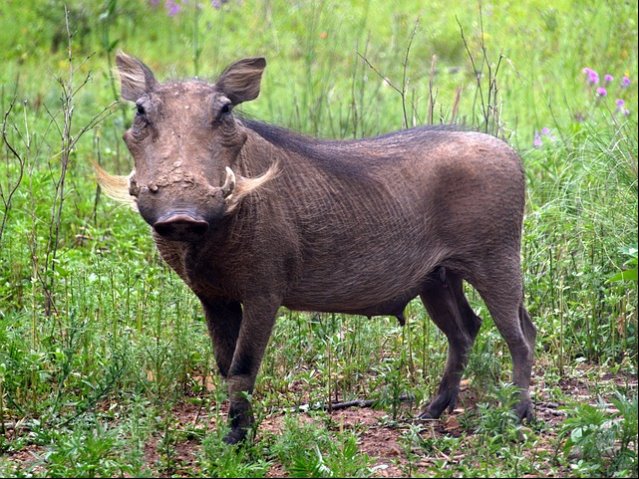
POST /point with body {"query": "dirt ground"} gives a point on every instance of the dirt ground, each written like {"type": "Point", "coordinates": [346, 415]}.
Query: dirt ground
{"type": "Point", "coordinates": [382, 441]}
{"type": "Point", "coordinates": [378, 438]}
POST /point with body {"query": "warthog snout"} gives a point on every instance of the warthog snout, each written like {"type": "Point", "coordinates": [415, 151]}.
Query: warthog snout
{"type": "Point", "coordinates": [181, 227]}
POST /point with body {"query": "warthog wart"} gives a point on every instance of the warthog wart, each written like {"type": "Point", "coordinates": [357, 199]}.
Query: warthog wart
{"type": "Point", "coordinates": [253, 217]}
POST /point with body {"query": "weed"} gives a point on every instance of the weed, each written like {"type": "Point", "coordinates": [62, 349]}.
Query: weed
{"type": "Point", "coordinates": [305, 450]}
{"type": "Point", "coordinates": [601, 440]}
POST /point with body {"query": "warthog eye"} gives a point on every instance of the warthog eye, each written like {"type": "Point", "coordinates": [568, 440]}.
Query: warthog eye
{"type": "Point", "coordinates": [139, 109]}
{"type": "Point", "coordinates": [225, 109]}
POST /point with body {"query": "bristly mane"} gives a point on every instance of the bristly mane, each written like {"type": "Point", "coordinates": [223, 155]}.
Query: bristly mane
{"type": "Point", "coordinates": [346, 156]}
{"type": "Point", "coordinates": [288, 138]}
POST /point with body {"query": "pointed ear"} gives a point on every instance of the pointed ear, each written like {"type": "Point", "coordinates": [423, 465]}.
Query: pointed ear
{"type": "Point", "coordinates": [136, 78]}
{"type": "Point", "coordinates": [241, 81]}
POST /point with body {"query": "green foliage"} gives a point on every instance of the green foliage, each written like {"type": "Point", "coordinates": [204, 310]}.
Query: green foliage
{"type": "Point", "coordinates": [630, 266]}
{"type": "Point", "coordinates": [604, 442]}
{"type": "Point", "coordinates": [497, 422]}
{"type": "Point", "coordinates": [222, 460]}
{"type": "Point", "coordinates": [306, 450]}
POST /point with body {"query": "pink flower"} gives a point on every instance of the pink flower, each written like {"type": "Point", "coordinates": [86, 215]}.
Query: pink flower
{"type": "Point", "coordinates": [172, 8]}
{"type": "Point", "coordinates": [601, 92]}
{"type": "Point", "coordinates": [621, 107]}
{"type": "Point", "coordinates": [537, 140]}
{"type": "Point", "coordinates": [625, 82]}
{"type": "Point", "coordinates": [608, 78]}
{"type": "Point", "coordinates": [592, 76]}
{"type": "Point", "coordinates": [547, 132]}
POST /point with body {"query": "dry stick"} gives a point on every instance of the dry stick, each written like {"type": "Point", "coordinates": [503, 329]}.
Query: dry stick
{"type": "Point", "coordinates": [487, 63]}
{"type": "Point", "coordinates": [68, 144]}
{"type": "Point", "coordinates": [492, 79]}
{"type": "Point", "coordinates": [386, 80]}
{"type": "Point", "coordinates": [405, 68]}
{"type": "Point", "coordinates": [476, 72]}
{"type": "Point", "coordinates": [493, 88]}
{"type": "Point", "coordinates": [358, 91]}
{"type": "Point", "coordinates": [98, 190]}
{"type": "Point", "coordinates": [335, 406]}
{"type": "Point", "coordinates": [431, 97]}
{"type": "Point", "coordinates": [65, 153]}
{"type": "Point", "coordinates": [402, 90]}
{"type": "Point", "coordinates": [6, 200]}
{"type": "Point", "coordinates": [455, 110]}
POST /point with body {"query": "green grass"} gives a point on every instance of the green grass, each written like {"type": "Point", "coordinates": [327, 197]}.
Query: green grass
{"type": "Point", "coordinates": [105, 364]}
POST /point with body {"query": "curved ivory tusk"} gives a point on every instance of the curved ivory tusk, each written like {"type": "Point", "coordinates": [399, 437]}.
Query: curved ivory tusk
{"type": "Point", "coordinates": [116, 187]}
{"type": "Point", "coordinates": [229, 183]}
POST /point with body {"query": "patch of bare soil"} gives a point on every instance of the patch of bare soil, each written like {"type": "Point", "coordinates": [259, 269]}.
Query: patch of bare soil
{"type": "Point", "coordinates": [175, 452]}
{"type": "Point", "coordinates": [27, 457]}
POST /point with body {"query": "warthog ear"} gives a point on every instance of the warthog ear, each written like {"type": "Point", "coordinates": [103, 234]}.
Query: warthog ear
{"type": "Point", "coordinates": [241, 81]}
{"type": "Point", "coordinates": [136, 78]}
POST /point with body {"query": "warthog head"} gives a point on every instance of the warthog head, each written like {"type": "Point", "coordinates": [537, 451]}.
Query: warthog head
{"type": "Point", "coordinates": [185, 143]}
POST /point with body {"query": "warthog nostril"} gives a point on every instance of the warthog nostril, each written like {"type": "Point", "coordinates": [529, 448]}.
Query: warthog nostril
{"type": "Point", "coordinates": [181, 227]}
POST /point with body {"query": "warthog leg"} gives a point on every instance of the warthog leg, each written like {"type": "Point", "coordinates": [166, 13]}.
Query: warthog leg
{"type": "Point", "coordinates": [255, 330]}
{"type": "Point", "coordinates": [223, 319]}
{"type": "Point", "coordinates": [447, 306]}
{"type": "Point", "coordinates": [500, 286]}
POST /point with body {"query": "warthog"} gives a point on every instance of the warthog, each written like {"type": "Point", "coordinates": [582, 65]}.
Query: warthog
{"type": "Point", "coordinates": [253, 217]}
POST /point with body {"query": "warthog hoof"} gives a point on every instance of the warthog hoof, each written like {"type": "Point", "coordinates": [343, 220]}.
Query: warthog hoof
{"type": "Point", "coordinates": [235, 436]}
{"type": "Point", "coordinates": [525, 411]}
{"type": "Point", "coordinates": [444, 400]}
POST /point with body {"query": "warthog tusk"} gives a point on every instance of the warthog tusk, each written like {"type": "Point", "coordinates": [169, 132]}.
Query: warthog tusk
{"type": "Point", "coordinates": [229, 183]}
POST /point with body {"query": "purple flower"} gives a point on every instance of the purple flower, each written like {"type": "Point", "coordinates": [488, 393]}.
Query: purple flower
{"type": "Point", "coordinates": [547, 132]}
{"type": "Point", "coordinates": [608, 78]}
{"type": "Point", "coordinates": [537, 140]}
{"type": "Point", "coordinates": [172, 8]}
{"type": "Point", "coordinates": [625, 82]}
{"type": "Point", "coordinates": [217, 4]}
{"type": "Point", "coordinates": [601, 92]}
{"type": "Point", "coordinates": [621, 107]}
{"type": "Point", "coordinates": [154, 3]}
{"type": "Point", "coordinates": [592, 76]}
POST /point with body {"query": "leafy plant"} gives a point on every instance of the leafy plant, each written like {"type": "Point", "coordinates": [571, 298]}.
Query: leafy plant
{"type": "Point", "coordinates": [306, 450]}
{"type": "Point", "coordinates": [601, 440]}
{"type": "Point", "coordinates": [629, 272]}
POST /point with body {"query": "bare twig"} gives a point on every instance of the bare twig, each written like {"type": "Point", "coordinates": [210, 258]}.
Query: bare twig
{"type": "Point", "coordinates": [385, 79]}
{"type": "Point", "coordinates": [7, 196]}
{"type": "Point", "coordinates": [402, 91]}
{"type": "Point", "coordinates": [405, 69]}
{"type": "Point", "coordinates": [431, 96]}
{"type": "Point", "coordinates": [455, 111]}
{"type": "Point", "coordinates": [476, 71]}
{"type": "Point", "coordinates": [488, 101]}
{"type": "Point", "coordinates": [335, 406]}
{"type": "Point", "coordinates": [68, 142]}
